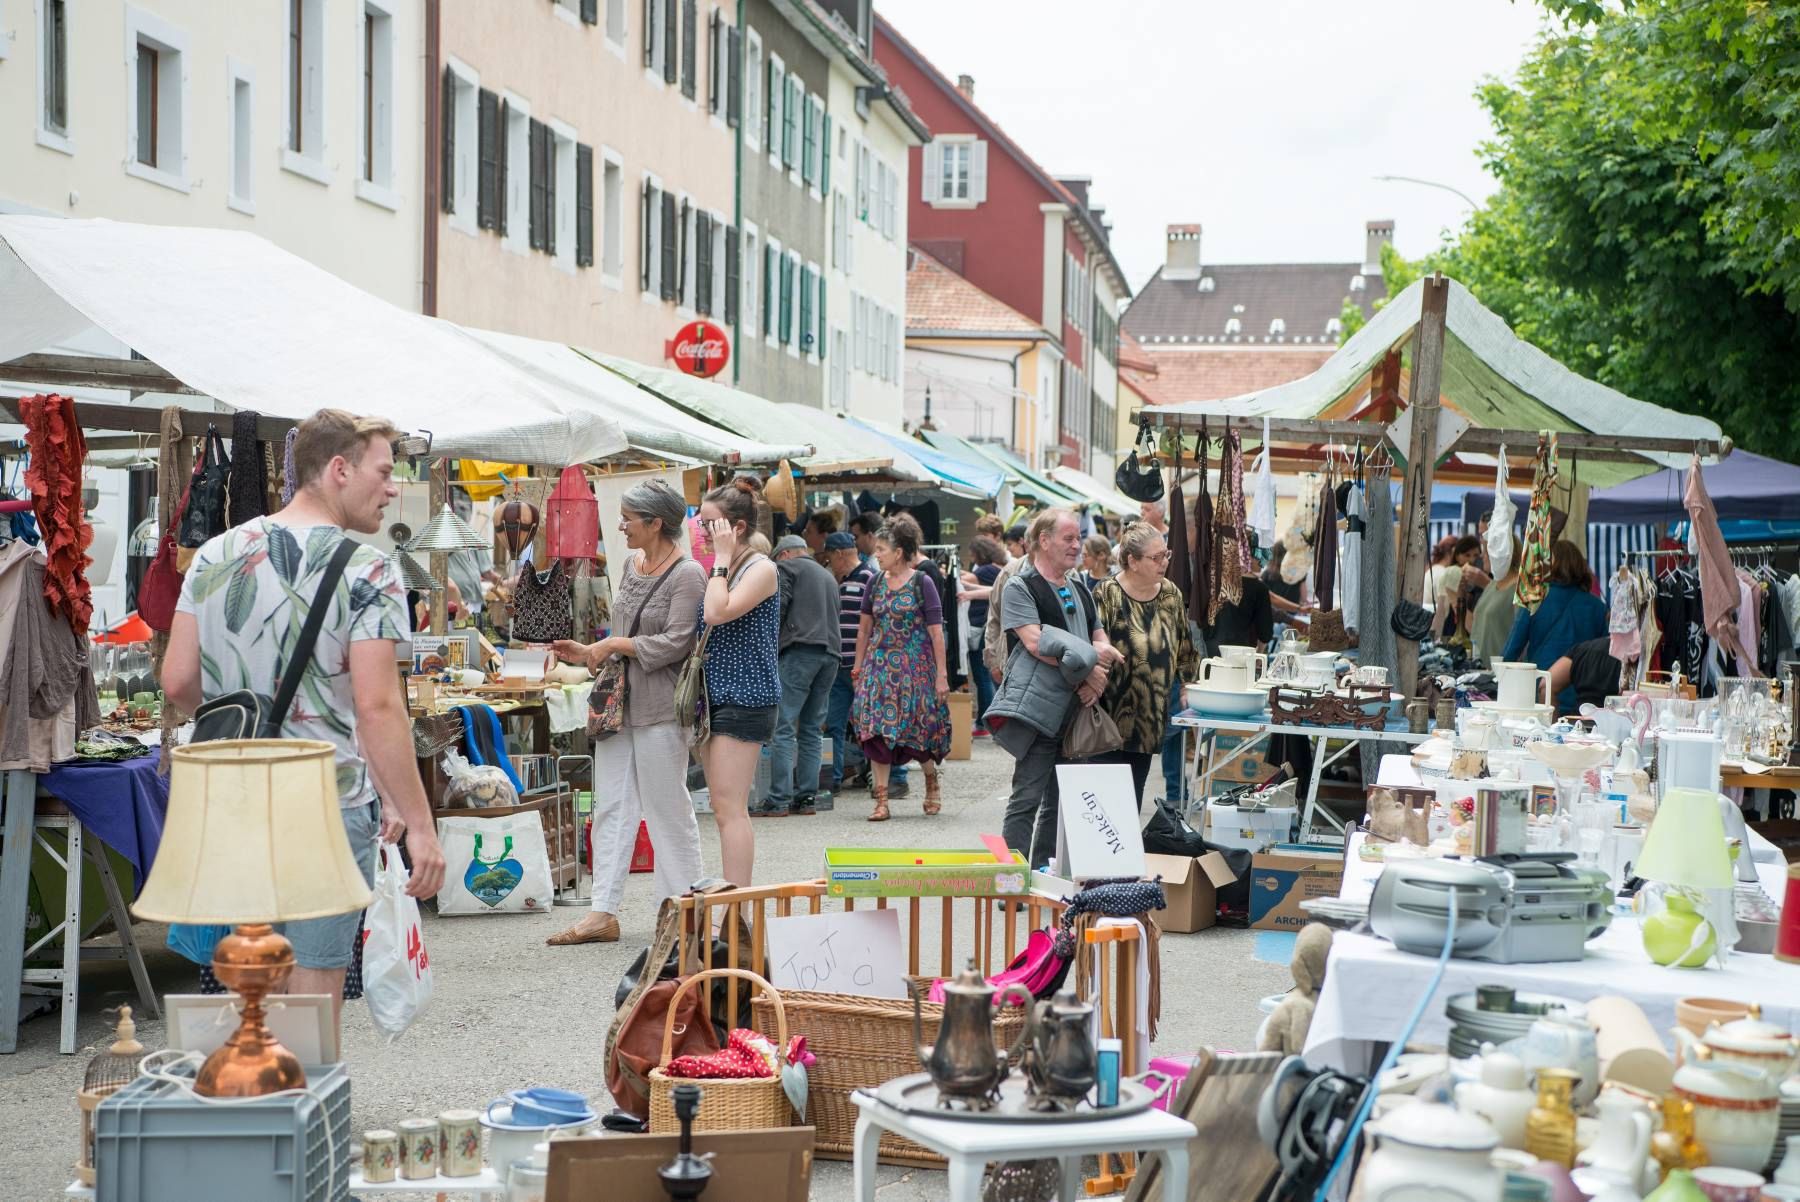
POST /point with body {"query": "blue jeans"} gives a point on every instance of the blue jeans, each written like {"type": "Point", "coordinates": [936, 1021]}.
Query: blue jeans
{"type": "Point", "coordinates": [807, 674]}
{"type": "Point", "coordinates": [984, 682]}
{"type": "Point", "coordinates": [1172, 766]}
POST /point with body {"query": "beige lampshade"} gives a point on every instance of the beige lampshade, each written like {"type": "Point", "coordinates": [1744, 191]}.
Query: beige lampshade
{"type": "Point", "coordinates": [253, 834]}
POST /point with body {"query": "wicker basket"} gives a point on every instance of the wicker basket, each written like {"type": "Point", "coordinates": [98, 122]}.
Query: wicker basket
{"type": "Point", "coordinates": [861, 1043]}
{"type": "Point", "coordinates": [728, 1105]}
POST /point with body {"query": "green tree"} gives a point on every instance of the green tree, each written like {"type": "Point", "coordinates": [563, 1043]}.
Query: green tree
{"type": "Point", "coordinates": [1646, 230]}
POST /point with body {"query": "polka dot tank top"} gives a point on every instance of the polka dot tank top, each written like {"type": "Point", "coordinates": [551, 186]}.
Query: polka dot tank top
{"type": "Point", "coordinates": [741, 667]}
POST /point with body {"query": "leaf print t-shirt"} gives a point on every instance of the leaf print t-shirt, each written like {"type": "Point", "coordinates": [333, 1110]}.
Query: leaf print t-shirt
{"type": "Point", "coordinates": [250, 589]}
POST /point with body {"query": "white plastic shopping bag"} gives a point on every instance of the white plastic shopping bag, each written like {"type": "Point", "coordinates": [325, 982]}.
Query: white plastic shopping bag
{"type": "Point", "coordinates": [494, 865]}
{"type": "Point", "coordinates": [396, 970]}
{"type": "Point", "coordinates": [1262, 495]}
{"type": "Point", "coordinates": [1500, 527]}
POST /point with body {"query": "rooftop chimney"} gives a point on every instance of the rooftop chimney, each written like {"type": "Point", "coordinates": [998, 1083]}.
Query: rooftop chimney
{"type": "Point", "coordinates": [1376, 234]}
{"type": "Point", "coordinates": [1077, 186]}
{"type": "Point", "coordinates": [966, 85]}
{"type": "Point", "coordinates": [1182, 260]}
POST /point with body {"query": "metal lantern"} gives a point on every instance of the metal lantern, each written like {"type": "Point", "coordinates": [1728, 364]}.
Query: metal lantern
{"type": "Point", "coordinates": [412, 574]}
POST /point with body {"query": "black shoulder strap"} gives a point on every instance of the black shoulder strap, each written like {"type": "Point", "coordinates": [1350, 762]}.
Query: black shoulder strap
{"type": "Point", "coordinates": [301, 654]}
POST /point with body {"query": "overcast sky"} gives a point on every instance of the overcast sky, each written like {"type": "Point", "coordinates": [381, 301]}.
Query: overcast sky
{"type": "Point", "coordinates": [1264, 121]}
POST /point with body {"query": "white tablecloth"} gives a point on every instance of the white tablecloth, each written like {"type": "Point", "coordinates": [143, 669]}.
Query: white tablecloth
{"type": "Point", "coordinates": [1371, 986]}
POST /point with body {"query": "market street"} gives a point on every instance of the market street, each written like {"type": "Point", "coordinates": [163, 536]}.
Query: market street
{"type": "Point", "coordinates": [509, 1012]}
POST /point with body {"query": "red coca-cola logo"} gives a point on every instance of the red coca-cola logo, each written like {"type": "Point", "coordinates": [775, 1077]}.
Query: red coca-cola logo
{"type": "Point", "coordinates": [699, 348]}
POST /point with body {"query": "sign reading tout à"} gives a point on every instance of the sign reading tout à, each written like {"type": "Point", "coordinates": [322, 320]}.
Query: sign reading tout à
{"type": "Point", "coordinates": [699, 348]}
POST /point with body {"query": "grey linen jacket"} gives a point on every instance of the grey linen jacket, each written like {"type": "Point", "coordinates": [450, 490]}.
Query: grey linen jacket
{"type": "Point", "coordinates": [1034, 697]}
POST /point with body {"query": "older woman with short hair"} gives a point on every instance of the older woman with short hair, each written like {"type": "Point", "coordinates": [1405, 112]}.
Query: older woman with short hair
{"type": "Point", "coordinates": [642, 769]}
{"type": "Point", "coordinates": [1145, 618]}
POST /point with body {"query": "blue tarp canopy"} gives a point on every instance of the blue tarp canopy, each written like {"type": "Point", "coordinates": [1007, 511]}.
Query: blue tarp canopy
{"type": "Point", "coordinates": [971, 477]}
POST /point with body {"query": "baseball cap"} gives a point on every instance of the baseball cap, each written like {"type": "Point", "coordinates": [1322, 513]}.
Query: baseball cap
{"type": "Point", "coordinates": [837, 540]}
{"type": "Point", "coordinates": [791, 542]}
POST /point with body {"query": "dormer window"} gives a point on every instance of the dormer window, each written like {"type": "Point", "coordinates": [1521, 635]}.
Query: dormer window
{"type": "Point", "coordinates": [1234, 326]}
{"type": "Point", "coordinates": [1207, 283]}
{"type": "Point", "coordinates": [1334, 328]}
{"type": "Point", "coordinates": [1358, 283]}
{"type": "Point", "coordinates": [1277, 328]}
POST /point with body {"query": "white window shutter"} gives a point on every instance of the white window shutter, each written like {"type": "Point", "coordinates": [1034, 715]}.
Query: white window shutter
{"type": "Point", "coordinates": [978, 172]}
{"type": "Point", "coordinates": [929, 176]}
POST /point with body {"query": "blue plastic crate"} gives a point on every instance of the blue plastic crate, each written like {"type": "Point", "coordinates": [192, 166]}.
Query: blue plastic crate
{"type": "Point", "coordinates": [153, 1142]}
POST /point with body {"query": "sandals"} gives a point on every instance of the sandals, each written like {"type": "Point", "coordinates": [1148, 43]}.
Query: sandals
{"type": "Point", "coordinates": [880, 794]}
{"type": "Point", "coordinates": [607, 931]}
{"type": "Point", "coordinates": [933, 795]}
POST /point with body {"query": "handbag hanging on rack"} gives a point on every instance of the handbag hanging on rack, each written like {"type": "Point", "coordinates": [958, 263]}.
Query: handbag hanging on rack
{"type": "Point", "coordinates": [542, 610]}
{"type": "Point", "coordinates": [204, 516]}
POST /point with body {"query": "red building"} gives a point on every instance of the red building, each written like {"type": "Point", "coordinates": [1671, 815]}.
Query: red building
{"type": "Point", "coordinates": [984, 208]}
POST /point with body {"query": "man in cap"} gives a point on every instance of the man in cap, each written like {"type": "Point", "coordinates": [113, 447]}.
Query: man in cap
{"type": "Point", "coordinates": [853, 576]}
{"type": "Point", "coordinates": [811, 647]}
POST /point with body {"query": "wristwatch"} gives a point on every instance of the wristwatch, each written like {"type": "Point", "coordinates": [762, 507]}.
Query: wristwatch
{"type": "Point", "coordinates": [719, 571]}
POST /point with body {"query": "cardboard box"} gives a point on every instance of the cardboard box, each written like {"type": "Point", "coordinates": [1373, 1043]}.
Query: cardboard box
{"type": "Point", "coordinates": [1288, 874]}
{"type": "Point", "coordinates": [1235, 768]}
{"type": "Point", "coordinates": [1251, 830]}
{"type": "Point", "coordinates": [917, 872]}
{"type": "Point", "coordinates": [962, 726]}
{"type": "Point", "coordinates": [770, 1165]}
{"type": "Point", "coordinates": [1191, 885]}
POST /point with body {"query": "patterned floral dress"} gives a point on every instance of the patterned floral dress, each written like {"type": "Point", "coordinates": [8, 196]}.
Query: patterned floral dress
{"type": "Point", "coordinates": [897, 714]}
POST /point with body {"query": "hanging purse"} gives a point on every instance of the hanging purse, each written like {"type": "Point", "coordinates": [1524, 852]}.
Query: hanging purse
{"type": "Point", "coordinates": [691, 708]}
{"type": "Point", "coordinates": [1327, 632]}
{"type": "Point", "coordinates": [543, 607]}
{"type": "Point", "coordinates": [1141, 481]}
{"type": "Point", "coordinates": [204, 516]}
{"type": "Point", "coordinates": [606, 701]}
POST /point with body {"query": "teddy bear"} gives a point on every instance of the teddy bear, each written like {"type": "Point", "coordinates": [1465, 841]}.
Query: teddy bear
{"type": "Point", "coordinates": [1285, 1030]}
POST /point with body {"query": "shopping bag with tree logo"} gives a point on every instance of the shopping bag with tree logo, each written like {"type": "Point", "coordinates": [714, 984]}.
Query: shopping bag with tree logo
{"type": "Point", "coordinates": [494, 865]}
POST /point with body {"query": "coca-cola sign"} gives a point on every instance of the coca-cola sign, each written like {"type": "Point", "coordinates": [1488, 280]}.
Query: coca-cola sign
{"type": "Point", "coordinates": [699, 348]}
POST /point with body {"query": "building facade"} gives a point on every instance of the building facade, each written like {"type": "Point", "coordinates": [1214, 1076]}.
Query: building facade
{"type": "Point", "coordinates": [584, 181]}
{"type": "Point", "coordinates": [300, 122]}
{"type": "Point", "coordinates": [972, 361]}
{"type": "Point", "coordinates": [1218, 330]}
{"type": "Point", "coordinates": [984, 208]}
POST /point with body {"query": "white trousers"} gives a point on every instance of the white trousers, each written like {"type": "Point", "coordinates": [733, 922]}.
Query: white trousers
{"type": "Point", "coordinates": [641, 772]}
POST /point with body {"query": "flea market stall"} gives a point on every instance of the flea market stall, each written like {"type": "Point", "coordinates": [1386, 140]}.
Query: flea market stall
{"type": "Point", "coordinates": [1553, 958]}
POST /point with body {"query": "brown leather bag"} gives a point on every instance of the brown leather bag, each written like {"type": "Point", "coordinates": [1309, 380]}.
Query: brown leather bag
{"type": "Point", "coordinates": [634, 1041]}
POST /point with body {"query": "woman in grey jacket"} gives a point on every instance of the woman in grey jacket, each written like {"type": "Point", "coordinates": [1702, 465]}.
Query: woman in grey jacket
{"type": "Point", "coordinates": [1057, 657]}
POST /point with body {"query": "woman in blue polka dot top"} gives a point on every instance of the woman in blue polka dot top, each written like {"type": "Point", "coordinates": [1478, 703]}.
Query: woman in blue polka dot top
{"type": "Point", "coordinates": [743, 683]}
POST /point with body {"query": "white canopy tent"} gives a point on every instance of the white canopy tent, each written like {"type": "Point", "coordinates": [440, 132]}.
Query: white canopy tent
{"type": "Point", "coordinates": [234, 317]}
{"type": "Point", "coordinates": [649, 422]}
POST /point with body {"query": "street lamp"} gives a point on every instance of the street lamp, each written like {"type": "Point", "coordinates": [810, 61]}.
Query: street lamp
{"type": "Point", "coordinates": [1407, 179]}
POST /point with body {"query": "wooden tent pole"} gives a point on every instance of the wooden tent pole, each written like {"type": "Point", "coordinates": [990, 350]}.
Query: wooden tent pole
{"type": "Point", "coordinates": [440, 562]}
{"type": "Point", "coordinates": [1421, 455]}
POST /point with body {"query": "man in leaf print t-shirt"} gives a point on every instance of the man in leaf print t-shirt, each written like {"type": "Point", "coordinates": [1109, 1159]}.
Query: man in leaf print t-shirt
{"type": "Point", "coordinates": [243, 602]}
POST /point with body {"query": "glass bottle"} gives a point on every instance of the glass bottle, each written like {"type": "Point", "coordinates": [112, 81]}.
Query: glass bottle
{"type": "Point", "coordinates": [1674, 1147]}
{"type": "Point", "coordinates": [1550, 1127]}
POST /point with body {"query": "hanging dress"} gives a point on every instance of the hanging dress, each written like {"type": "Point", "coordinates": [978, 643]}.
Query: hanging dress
{"type": "Point", "coordinates": [897, 714]}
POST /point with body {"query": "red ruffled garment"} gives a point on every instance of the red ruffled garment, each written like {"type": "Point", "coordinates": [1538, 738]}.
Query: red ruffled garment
{"type": "Point", "coordinates": [54, 477]}
{"type": "Point", "coordinates": [746, 1055]}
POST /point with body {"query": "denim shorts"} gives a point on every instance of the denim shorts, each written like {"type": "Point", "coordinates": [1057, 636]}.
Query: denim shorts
{"type": "Point", "coordinates": [750, 723]}
{"type": "Point", "coordinates": [326, 943]}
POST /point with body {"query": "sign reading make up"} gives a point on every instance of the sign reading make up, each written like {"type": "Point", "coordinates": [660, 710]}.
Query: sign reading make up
{"type": "Point", "coordinates": [1097, 823]}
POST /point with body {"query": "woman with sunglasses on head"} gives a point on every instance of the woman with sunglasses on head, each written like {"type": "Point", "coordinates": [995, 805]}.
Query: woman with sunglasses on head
{"type": "Point", "coordinates": [1058, 657]}
{"type": "Point", "coordinates": [901, 675]}
{"type": "Point", "coordinates": [1144, 616]}
{"type": "Point", "coordinates": [642, 769]}
{"type": "Point", "coordinates": [743, 678]}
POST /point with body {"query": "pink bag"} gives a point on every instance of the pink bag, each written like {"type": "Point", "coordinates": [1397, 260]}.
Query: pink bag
{"type": "Point", "coordinates": [1038, 968]}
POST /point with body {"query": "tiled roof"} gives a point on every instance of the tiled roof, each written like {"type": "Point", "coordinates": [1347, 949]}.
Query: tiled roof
{"type": "Point", "coordinates": [1214, 373]}
{"type": "Point", "coordinates": [1305, 297]}
{"type": "Point", "coordinates": [937, 299]}
{"type": "Point", "coordinates": [1133, 354]}
{"type": "Point", "coordinates": [1146, 385]}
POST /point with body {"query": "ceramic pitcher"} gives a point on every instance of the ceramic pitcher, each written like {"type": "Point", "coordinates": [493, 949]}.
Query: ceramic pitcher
{"type": "Point", "coordinates": [1622, 1148]}
{"type": "Point", "coordinates": [1522, 686]}
{"type": "Point", "coordinates": [1226, 676]}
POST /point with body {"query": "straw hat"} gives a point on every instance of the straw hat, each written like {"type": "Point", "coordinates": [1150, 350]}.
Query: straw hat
{"type": "Point", "coordinates": [780, 492]}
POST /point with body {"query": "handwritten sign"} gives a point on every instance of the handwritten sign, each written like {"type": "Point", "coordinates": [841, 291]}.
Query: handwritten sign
{"type": "Point", "coordinates": [855, 952]}
{"type": "Point", "coordinates": [1097, 831]}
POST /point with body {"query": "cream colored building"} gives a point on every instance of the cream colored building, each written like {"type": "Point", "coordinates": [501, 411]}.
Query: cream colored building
{"type": "Point", "coordinates": [866, 222]}
{"type": "Point", "coordinates": [586, 170]}
{"type": "Point", "coordinates": [299, 121]}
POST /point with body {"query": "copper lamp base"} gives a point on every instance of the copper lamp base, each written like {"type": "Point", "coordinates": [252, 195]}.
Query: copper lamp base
{"type": "Point", "coordinates": [253, 961]}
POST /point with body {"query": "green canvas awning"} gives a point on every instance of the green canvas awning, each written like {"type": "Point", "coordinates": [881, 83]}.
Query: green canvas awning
{"type": "Point", "coordinates": [1025, 482]}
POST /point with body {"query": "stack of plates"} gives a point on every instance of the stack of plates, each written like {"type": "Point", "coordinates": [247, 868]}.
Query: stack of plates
{"type": "Point", "coordinates": [1470, 1026]}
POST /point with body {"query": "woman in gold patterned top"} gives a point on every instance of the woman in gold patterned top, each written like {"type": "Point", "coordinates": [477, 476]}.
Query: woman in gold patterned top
{"type": "Point", "coordinates": [1143, 614]}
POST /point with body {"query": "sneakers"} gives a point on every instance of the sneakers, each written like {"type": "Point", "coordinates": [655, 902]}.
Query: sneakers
{"type": "Point", "coordinates": [898, 788]}
{"type": "Point", "coordinates": [803, 806]}
{"type": "Point", "coordinates": [823, 801]}
{"type": "Point", "coordinates": [768, 809]}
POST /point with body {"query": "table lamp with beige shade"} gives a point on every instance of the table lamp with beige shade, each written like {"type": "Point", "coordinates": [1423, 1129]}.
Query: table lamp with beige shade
{"type": "Point", "coordinates": [253, 836]}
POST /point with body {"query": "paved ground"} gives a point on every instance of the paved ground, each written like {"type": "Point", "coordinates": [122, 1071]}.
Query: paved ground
{"type": "Point", "coordinates": [510, 1011]}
